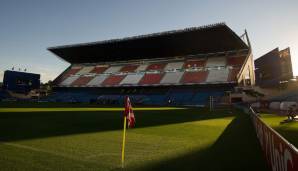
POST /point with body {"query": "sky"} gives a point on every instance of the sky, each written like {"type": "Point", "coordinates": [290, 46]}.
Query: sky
{"type": "Point", "coordinates": [29, 27]}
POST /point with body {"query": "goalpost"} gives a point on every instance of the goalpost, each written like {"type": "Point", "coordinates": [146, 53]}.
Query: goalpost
{"type": "Point", "coordinates": [211, 103]}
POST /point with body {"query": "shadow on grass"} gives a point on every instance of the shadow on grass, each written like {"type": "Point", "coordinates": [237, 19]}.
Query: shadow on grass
{"type": "Point", "coordinates": [21, 104]}
{"type": "Point", "coordinates": [236, 149]}
{"type": "Point", "coordinates": [19, 126]}
{"type": "Point", "coordinates": [289, 134]}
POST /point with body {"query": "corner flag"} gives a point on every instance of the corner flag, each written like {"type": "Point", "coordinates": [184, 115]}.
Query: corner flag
{"type": "Point", "coordinates": [129, 117]}
{"type": "Point", "coordinates": [129, 113]}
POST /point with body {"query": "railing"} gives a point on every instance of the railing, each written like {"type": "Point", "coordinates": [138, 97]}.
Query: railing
{"type": "Point", "coordinates": [279, 153]}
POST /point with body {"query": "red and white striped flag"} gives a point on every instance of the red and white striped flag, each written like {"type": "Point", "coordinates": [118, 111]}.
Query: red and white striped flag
{"type": "Point", "coordinates": [128, 112]}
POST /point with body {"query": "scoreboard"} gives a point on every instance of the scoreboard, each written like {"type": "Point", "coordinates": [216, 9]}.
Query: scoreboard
{"type": "Point", "coordinates": [273, 68]}
{"type": "Point", "coordinates": [21, 82]}
{"type": "Point", "coordinates": [285, 64]}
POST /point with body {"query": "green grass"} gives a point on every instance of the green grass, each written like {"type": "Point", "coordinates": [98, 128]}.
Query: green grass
{"type": "Point", "coordinates": [90, 139]}
{"type": "Point", "coordinates": [288, 130]}
{"type": "Point", "coordinates": [85, 109]}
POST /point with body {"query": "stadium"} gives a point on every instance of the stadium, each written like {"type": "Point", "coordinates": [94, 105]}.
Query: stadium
{"type": "Point", "coordinates": [181, 67]}
{"type": "Point", "coordinates": [193, 95]}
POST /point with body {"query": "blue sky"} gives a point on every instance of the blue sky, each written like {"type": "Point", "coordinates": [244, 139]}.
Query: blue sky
{"type": "Point", "coordinates": [29, 27]}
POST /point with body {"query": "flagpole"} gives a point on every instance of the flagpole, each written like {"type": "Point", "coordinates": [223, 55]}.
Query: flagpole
{"type": "Point", "coordinates": [123, 142]}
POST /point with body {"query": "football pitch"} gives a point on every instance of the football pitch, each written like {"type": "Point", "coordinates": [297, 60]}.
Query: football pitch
{"type": "Point", "coordinates": [288, 130]}
{"type": "Point", "coordinates": [167, 138]}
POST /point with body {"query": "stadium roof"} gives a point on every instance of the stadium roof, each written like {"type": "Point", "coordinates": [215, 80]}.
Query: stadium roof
{"type": "Point", "coordinates": [196, 40]}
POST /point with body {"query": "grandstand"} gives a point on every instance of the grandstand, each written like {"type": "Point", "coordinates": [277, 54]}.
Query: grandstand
{"type": "Point", "coordinates": [274, 68]}
{"type": "Point", "coordinates": [181, 67]}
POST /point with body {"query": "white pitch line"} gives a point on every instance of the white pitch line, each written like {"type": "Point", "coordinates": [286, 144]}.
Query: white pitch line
{"type": "Point", "coordinates": [43, 151]}
{"type": "Point", "coordinates": [102, 154]}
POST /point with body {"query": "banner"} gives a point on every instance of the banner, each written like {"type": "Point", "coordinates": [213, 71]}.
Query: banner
{"type": "Point", "coordinates": [279, 153]}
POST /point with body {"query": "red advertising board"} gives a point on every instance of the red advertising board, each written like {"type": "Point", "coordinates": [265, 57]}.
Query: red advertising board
{"type": "Point", "coordinates": [279, 153]}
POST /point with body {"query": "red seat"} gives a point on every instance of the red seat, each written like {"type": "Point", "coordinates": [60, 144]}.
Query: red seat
{"type": "Point", "coordinates": [129, 68]}
{"type": "Point", "coordinates": [82, 81]}
{"type": "Point", "coordinates": [98, 70]}
{"type": "Point", "coordinates": [156, 67]}
{"type": "Point", "coordinates": [73, 71]}
{"type": "Point", "coordinates": [194, 77]}
{"type": "Point", "coordinates": [113, 80]}
{"type": "Point", "coordinates": [233, 74]}
{"type": "Point", "coordinates": [67, 73]}
{"type": "Point", "coordinates": [194, 63]}
{"type": "Point", "coordinates": [151, 79]}
{"type": "Point", "coordinates": [235, 61]}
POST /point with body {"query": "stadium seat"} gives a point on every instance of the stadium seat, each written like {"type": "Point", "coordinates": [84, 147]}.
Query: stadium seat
{"type": "Point", "coordinates": [131, 79]}
{"type": "Point", "coordinates": [69, 80]}
{"type": "Point", "coordinates": [218, 75]}
{"type": "Point", "coordinates": [156, 100]}
{"type": "Point", "coordinates": [233, 74]}
{"type": "Point", "coordinates": [99, 69]}
{"type": "Point", "coordinates": [216, 61]}
{"type": "Point", "coordinates": [174, 65]}
{"type": "Point", "coordinates": [194, 63]}
{"type": "Point", "coordinates": [157, 66]}
{"type": "Point", "coordinates": [194, 77]}
{"type": "Point", "coordinates": [141, 68]}
{"type": "Point", "coordinates": [71, 96]}
{"type": "Point", "coordinates": [172, 77]}
{"type": "Point", "coordinates": [129, 68]}
{"type": "Point", "coordinates": [113, 80]}
{"type": "Point", "coordinates": [149, 79]}
{"type": "Point", "coordinates": [82, 81]}
{"type": "Point", "coordinates": [73, 70]}
{"type": "Point", "coordinates": [235, 61]}
{"type": "Point", "coordinates": [96, 81]}
{"type": "Point", "coordinates": [202, 97]}
{"type": "Point", "coordinates": [85, 70]}
{"type": "Point", "coordinates": [113, 69]}
{"type": "Point", "coordinates": [156, 69]}
{"type": "Point", "coordinates": [179, 96]}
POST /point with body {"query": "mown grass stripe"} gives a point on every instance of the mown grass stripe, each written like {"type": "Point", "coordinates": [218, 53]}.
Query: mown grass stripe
{"type": "Point", "coordinates": [82, 109]}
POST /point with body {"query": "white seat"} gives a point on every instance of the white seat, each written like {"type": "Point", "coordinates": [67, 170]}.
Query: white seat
{"type": "Point", "coordinates": [174, 65]}
{"type": "Point", "coordinates": [85, 70]}
{"type": "Point", "coordinates": [113, 69]}
{"type": "Point", "coordinates": [96, 81]}
{"type": "Point", "coordinates": [75, 67]}
{"type": "Point", "coordinates": [132, 78]}
{"type": "Point", "coordinates": [172, 78]}
{"type": "Point", "coordinates": [216, 75]}
{"type": "Point", "coordinates": [69, 80]}
{"type": "Point", "coordinates": [141, 68]}
{"type": "Point", "coordinates": [216, 61]}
